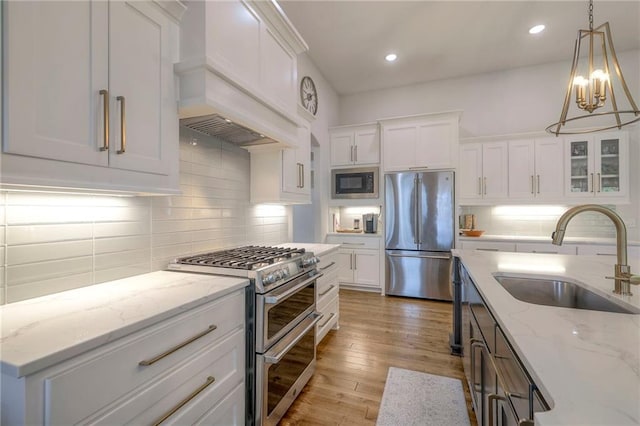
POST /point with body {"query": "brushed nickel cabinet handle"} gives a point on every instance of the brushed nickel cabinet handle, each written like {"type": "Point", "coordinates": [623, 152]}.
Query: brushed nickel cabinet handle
{"type": "Point", "coordinates": [479, 185]}
{"type": "Point", "coordinates": [302, 174]}
{"type": "Point", "coordinates": [592, 183]}
{"type": "Point", "coordinates": [355, 157]}
{"type": "Point", "coordinates": [538, 184]}
{"type": "Point", "coordinates": [123, 127]}
{"type": "Point", "coordinates": [599, 181]}
{"type": "Point", "coordinates": [351, 154]}
{"type": "Point", "coordinates": [157, 358]}
{"type": "Point", "coordinates": [532, 187]}
{"type": "Point", "coordinates": [485, 186]}
{"type": "Point", "coordinates": [328, 266]}
{"type": "Point", "coordinates": [355, 261]}
{"type": "Point", "coordinates": [182, 403]}
{"type": "Point", "coordinates": [351, 261]}
{"type": "Point", "coordinates": [331, 287]}
{"type": "Point", "coordinates": [327, 321]}
{"type": "Point", "coordinates": [105, 115]}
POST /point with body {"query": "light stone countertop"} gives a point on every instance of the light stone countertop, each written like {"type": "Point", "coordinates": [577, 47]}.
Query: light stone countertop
{"type": "Point", "coordinates": [356, 234]}
{"type": "Point", "coordinates": [40, 332]}
{"type": "Point", "coordinates": [545, 239]}
{"type": "Point", "coordinates": [586, 363]}
{"type": "Point", "coordinates": [315, 248]}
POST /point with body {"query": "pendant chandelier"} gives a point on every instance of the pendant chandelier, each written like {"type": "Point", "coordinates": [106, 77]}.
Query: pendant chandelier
{"type": "Point", "coordinates": [594, 89]}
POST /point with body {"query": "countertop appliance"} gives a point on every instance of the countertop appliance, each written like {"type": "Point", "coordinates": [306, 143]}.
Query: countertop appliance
{"type": "Point", "coordinates": [370, 221]}
{"type": "Point", "coordinates": [419, 233]}
{"type": "Point", "coordinates": [361, 182]}
{"type": "Point", "coordinates": [281, 319]}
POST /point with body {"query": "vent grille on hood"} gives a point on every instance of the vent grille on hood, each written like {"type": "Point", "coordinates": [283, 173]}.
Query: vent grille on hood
{"type": "Point", "coordinates": [219, 127]}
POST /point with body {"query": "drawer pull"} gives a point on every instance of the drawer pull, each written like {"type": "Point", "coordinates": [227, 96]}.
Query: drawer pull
{"type": "Point", "coordinates": [327, 291]}
{"type": "Point", "coordinates": [153, 360]}
{"type": "Point", "coordinates": [327, 321]}
{"type": "Point", "coordinates": [486, 249]}
{"type": "Point", "coordinates": [105, 117]}
{"type": "Point", "coordinates": [352, 244]}
{"type": "Point", "coordinates": [182, 403]}
{"type": "Point", "coordinates": [328, 266]}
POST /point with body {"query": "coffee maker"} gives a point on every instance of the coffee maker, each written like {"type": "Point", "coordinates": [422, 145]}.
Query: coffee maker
{"type": "Point", "coordinates": [370, 221]}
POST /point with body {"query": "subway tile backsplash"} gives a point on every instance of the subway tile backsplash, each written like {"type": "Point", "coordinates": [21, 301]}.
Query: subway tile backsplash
{"type": "Point", "coordinates": [54, 242]}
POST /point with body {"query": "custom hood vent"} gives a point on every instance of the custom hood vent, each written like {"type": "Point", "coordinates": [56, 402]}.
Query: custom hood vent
{"type": "Point", "coordinates": [217, 126]}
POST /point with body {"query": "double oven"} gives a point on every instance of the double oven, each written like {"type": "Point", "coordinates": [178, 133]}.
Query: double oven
{"type": "Point", "coordinates": [281, 319]}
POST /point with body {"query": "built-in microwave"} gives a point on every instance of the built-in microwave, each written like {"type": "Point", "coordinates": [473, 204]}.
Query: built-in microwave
{"type": "Point", "coordinates": [359, 182]}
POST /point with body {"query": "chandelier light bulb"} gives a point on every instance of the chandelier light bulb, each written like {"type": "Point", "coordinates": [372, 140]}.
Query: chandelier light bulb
{"type": "Point", "coordinates": [536, 29]}
{"type": "Point", "coordinates": [391, 57]}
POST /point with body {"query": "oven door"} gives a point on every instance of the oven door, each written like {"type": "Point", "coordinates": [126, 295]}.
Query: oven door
{"type": "Point", "coordinates": [282, 372]}
{"type": "Point", "coordinates": [281, 309]}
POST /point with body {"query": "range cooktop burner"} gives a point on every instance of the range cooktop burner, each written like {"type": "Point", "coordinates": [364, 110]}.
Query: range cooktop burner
{"type": "Point", "coordinates": [248, 257]}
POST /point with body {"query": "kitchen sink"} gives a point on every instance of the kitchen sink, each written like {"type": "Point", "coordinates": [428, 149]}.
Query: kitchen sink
{"type": "Point", "coordinates": [560, 293]}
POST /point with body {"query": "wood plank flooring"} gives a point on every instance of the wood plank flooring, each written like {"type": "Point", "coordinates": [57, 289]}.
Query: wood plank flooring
{"type": "Point", "coordinates": [375, 333]}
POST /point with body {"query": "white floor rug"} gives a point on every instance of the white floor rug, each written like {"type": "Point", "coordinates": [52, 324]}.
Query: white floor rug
{"type": "Point", "coordinates": [421, 399]}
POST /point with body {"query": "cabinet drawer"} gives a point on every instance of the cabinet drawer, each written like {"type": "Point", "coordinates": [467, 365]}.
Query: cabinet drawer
{"type": "Point", "coordinates": [331, 313]}
{"type": "Point", "coordinates": [351, 242]}
{"type": "Point", "coordinates": [115, 368]}
{"type": "Point", "coordinates": [215, 371]}
{"type": "Point", "coordinates": [328, 290]}
{"type": "Point", "coordinates": [488, 246]}
{"type": "Point", "coordinates": [328, 263]}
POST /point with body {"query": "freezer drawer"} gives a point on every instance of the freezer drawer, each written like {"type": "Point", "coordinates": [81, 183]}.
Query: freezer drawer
{"type": "Point", "coordinates": [418, 274]}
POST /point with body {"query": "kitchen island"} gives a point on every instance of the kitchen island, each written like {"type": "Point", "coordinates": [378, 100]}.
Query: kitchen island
{"type": "Point", "coordinates": [586, 363]}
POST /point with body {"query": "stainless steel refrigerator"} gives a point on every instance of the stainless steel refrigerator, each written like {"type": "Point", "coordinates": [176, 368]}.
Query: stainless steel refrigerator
{"type": "Point", "coordinates": [419, 228]}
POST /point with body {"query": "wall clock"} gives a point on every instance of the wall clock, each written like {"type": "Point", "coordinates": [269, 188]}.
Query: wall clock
{"type": "Point", "coordinates": [309, 95]}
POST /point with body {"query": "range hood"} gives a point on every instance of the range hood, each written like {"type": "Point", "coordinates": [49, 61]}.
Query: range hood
{"type": "Point", "coordinates": [225, 129]}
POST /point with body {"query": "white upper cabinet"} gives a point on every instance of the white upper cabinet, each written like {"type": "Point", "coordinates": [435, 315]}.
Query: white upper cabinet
{"type": "Point", "coordinates": [536, 168]}
{"type": "Point", "coordinates": [597, 166]}
{"type": "Point", "coordinates": [420, 142]}
{"type": "Point", "coordinates": [90, 83]}
{"type": "Point", "coordinates": [282, 175]}
{"type": "Point", "coordinates": [483, 171]}
{"type": "Point", "coordinates": [355, 145]}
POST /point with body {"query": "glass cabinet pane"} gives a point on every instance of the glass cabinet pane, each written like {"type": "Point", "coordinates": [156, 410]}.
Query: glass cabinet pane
{"type": "Point", "coordinates": [609, 172]}
{"type": "Point", "coordinates": [579, 166]}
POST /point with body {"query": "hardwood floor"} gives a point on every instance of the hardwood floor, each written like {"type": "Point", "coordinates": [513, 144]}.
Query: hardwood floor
{"type": "Point", "coordinates": [375, 333]}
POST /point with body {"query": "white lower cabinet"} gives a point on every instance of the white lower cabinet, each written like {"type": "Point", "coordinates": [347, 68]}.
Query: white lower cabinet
{"type": "Point", "coordinates": [327, 295]}
{"type": "Point", "coordinates": [188, 369]}
{"type": "Point", "coordinates": [546, 248]}
{"type": "Point", "coordinates": [488, 246]}
{"type": "Point", "coordinates": [358, 261]}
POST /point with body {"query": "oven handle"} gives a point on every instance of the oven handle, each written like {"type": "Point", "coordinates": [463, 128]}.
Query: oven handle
{"type": "Point", "coordinates": [274, 359]}
{"type": "Point", "coordinates": [279, 297]}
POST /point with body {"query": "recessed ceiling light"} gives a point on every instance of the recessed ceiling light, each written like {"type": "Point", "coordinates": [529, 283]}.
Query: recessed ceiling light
{"type": "Point", "coordinates": [536, 29]}
{"type": "Point", "coordinates": [391, 57]}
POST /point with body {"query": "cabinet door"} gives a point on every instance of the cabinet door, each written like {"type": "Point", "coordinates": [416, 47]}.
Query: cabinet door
{"type": "Point", "coordinates": [341, 149]}
{"type": "Point", "coordinates": [279, 72]}
{"type": "Point", "coordinates": [579, 167]}
{"type": "Point", "coordinates": [367, 146]}
{"type": "Point", "coordinates": [54, 68]}
{"type": "Point", "coordinates": [435, 147]}
{"type": "Point", "coordinates": [610, 170]}
{"type": "Point", "coordinates": [345, 266]}
{"type": "Point", "coordinates": [366, 266]}
{"type": "Point", "coordinates": [470, 171]}
{"type": "Point", "coordinates": [399, 146]}
{"type": "Point", "coordinates": [549, 162]}
{"type": "Point", "coordinates": [495, 170]}
{"type": "Point", "coordinates": [522, 169]}
{"type": "Point", "coordinates": [141, 72]}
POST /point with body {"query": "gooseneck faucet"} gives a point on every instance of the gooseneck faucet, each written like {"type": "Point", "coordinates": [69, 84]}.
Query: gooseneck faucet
{"type": "Point", "coordinates": [622, 273]}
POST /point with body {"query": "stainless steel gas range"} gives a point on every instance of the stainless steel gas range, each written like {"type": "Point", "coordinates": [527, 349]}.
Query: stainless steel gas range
{"type": "Point", "coordinates": [281, 318]}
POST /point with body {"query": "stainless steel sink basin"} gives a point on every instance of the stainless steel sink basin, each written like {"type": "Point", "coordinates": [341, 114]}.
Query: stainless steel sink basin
{"type": "Point", "coordinates": [565, 294]}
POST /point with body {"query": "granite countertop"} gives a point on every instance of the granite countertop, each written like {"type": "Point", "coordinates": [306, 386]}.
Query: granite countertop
{"type": "Point", "coordinates": [586, 363]}
{"type": "Point", "coordinates": [40, 332]}
{"type": "Point", "coordinates": [316, 248]}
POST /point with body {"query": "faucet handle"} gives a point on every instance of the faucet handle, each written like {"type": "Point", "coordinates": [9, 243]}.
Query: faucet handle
{"type": "Point", "coordinates": [631, 279]}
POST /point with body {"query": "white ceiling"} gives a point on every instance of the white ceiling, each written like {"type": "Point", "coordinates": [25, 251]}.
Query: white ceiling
{"type": "Point", "coordinates": [443, 39]}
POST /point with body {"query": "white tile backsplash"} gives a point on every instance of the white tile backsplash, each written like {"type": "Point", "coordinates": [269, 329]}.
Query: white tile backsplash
{"type": "Point", "coordinates": [56, 242]}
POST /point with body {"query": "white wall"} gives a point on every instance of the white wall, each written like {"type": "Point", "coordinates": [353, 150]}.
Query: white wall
{"type": "Point", "coordinates": [520, 100]}
{"type": "Point", "coordinates": [315, 216]}
{"type": "Point", "coordinates": [54, 242]}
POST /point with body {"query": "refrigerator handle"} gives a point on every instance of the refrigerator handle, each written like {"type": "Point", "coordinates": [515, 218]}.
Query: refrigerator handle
{"type": "Point", "coordinates": [415, 210]}
{"type": "Point", "coordinates": [419, 209]}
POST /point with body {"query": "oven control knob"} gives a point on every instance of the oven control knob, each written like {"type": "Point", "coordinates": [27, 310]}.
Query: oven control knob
{"type": "Point", "coordinates": [285, 273]}
{"type": "Point", "coordinates": [278, 273]}
{"type": "Point", "coordinates": [310, 261]}
{"type": "Point", "coordinates": [269, 279]}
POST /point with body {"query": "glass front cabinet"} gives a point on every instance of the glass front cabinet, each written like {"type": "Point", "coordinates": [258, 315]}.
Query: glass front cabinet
{"type": "Point", "coordinates": [597, 165]}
